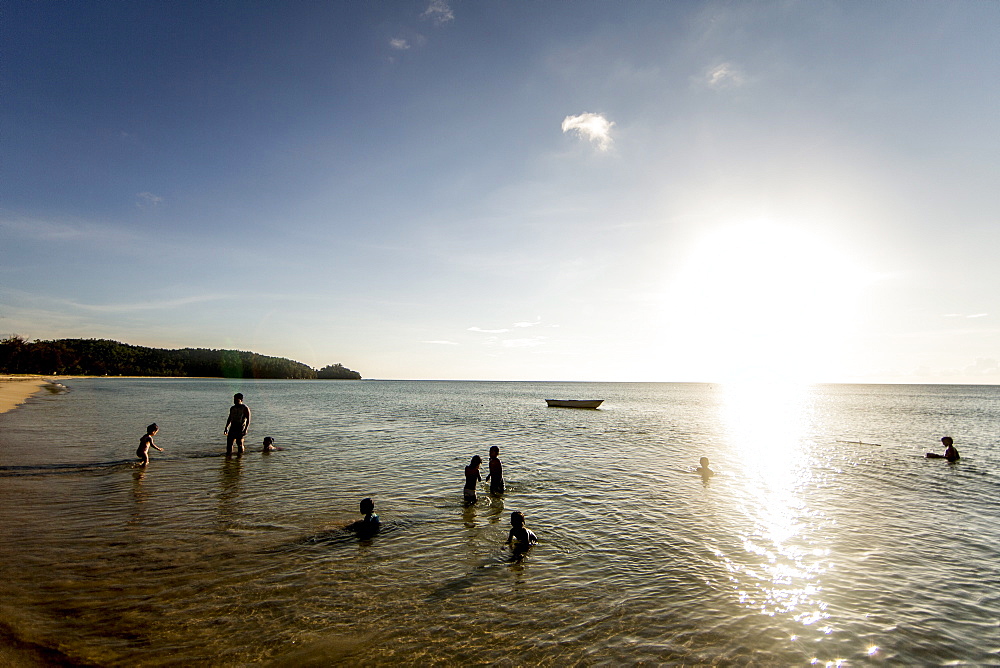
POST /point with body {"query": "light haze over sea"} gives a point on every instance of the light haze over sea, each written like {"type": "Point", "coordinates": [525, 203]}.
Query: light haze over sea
{"type": "Point", "coordinates": [804, 547]}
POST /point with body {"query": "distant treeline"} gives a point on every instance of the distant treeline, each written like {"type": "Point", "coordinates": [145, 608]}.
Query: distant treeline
{"type": "Point", "coordinates": [101, 357]}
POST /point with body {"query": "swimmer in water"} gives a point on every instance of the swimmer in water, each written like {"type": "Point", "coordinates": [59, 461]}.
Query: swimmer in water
{"type": "Point", "coordinates": [472, 479]}
{"type": "Point", "coordinates": [520, 537]}
{"type": "Point", "coordinates": [269, 445]}
{"type": "Point", "coordinates": [142, 452]}
{"type": "Point", "coordinates": [369, 524]}
{"type": "Point", "coordinates": [495, 476]}
{"type": "Point", "coordinates": [950, 452]}
{"type": "Point", "coordinates": [703, 469]}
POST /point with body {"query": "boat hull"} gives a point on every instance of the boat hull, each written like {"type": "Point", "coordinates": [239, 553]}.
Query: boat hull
{"type": "Point", "coordinates": [574, 403]}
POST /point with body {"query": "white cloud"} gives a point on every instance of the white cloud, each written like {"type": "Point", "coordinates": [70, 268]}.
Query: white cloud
{"type": "Point", "coordinates": [399, 44]}
{"type": "Point", "coordinates": [523, 343]}
{"type": "Point", "coordinates": [977, 315]}
{"type": "Point", "coordinates": [593, 127]}
{"type": "Point", "coordinates": [488, 331]}
{"type": "Point", "coordinates": [528, 324]}
{"type": "Point", "coordinates": [439, 11]}
{"type": "Point", "coordinates": [147, 200]}
{"type": "Point", "coordinates": [724, 75]}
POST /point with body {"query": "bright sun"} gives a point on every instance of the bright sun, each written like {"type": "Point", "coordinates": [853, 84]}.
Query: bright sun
{"type": "Point", "coordinates": [759, 301]}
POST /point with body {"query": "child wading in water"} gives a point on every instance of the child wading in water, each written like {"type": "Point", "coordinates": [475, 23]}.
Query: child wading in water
{"type": "Point", "coordinates": [520, 537]}
{"type": "Point", "coordinates": [370, 524]}
{"type": "Point", "coordinates": [495, 476]}
{"type": "Point", "coordinates": [142, 452]}
{"type": "Point", "coordinates": [472, 479]}
{"type": "Point", "coordinates": [269, 445]}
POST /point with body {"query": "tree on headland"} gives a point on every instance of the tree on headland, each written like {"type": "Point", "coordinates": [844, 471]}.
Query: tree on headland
{"type": "Point", "coordinates": [102, 357]}
{"type": "Point", "coordinates": [338, 372]}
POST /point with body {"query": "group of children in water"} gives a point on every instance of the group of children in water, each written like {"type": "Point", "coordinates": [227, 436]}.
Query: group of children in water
{"type": "Point", "coordinates": [238, 423]}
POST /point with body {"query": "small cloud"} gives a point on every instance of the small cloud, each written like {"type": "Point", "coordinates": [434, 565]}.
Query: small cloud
{"type": "Point", "coordinates": [523, 343]}
{"type": "Point", "coordinates": [148, 200]}
{"type": "Point", "coordinates": [439, 11]}
{"type": "Point", "coordinates": [593, 127]}
{"type": "Point", "coordinates": [977, 315]}
{"type": "Point", "coordinates": [440, 343]}
{"type": "Point", "coordinates": [724, 76]}
{"type": "Point", "coordinates": [399, 44]}
{"type": "Point", "coordinates": [528, 324]}
{"type": "Point", "coordinates": [487, 331]}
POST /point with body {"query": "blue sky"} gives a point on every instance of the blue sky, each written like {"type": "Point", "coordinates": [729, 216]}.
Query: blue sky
{"type": "Point", "coordinates": [647, 191]}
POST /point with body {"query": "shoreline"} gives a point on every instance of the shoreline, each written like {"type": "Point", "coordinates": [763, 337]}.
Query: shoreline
{"type": "Point", "coordinates": [17, 389]}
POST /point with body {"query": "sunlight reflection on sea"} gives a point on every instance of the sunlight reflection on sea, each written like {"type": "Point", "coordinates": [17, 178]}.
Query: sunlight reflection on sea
{"type": "Point", "coordinates": [810, 542]}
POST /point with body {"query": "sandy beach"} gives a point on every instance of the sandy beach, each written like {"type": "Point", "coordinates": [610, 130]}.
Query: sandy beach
{"type": "Point", "coordinates": [15, 390]}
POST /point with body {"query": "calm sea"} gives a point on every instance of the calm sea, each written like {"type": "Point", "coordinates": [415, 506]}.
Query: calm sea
{"type": "Point", "coordinates": [825, 537]}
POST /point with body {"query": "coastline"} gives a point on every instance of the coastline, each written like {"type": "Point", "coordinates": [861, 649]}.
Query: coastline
{"type": "Point", "coordinates": [16, 389]}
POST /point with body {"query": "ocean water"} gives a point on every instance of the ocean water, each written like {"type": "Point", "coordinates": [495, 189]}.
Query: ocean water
{"type": "Point", "coordinates": [825, 537]}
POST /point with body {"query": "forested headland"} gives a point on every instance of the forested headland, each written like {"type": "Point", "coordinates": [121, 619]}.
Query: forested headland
{"type": "Point", "coordinates": [103, 357]}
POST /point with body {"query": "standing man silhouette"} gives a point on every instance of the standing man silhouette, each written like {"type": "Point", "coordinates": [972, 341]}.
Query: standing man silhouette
{"type": "Point", "coordinates": [237, 425]}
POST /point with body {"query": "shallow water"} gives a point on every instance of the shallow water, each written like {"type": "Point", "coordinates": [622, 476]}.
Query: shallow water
{"type": "Point", "coordinates": [802, 548]}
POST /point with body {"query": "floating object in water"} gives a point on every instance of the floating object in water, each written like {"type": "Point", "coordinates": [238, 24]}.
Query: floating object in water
{"type": "Point", "coordinates": [574, 403]}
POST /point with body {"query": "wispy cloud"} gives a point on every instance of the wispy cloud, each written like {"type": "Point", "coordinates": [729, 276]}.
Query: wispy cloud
{"type": "Point", "coordinates": [439, 11]}
{"type": "Point", "coordinates": [399, 44]}
{"type": "Point", "coordinates": [528, 324]}
{"type": "Point", "coordinates": [592, 127]}
{"type": "Point", "coordinates": [724, 75]}
{"type": "Point", "coordinates": [147, 305]}
{"type": "Point", "coordinates": [147, 200]}
{"type": "Point", "coordinates": [440, 343]}
{"type": "Point", "coordinates": [487, 331]}
{"type": "Point", "coordinates": [523, 343]}
{"type": "Point", "coordinates": [47, 230]}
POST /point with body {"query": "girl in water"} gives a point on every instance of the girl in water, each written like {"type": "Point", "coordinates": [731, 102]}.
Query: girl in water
{"type": "Point", "coordinates": [142, 452]}
{"type": "Point", "coordinates": [472, 479]}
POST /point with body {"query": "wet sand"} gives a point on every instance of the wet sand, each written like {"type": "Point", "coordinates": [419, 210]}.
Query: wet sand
{"type": "Point", "coordinates": [15, 390]}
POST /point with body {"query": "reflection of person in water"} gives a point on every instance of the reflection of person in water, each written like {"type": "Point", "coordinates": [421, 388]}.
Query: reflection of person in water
{"type": "Point", "coordinates": [472, 479]}
{"type": "Point", "coordinates": [495, 476]}
{"type": "Point", "coordinates": [237, 425]}
{"type": "Point", "coordinates": [520, 537]}
{"type": "Point", "coordinates": [369, 524]}
{"type": "Point", "coordinates": [950, 452]}
{"type": "Point", "coordinates": [142, 452]}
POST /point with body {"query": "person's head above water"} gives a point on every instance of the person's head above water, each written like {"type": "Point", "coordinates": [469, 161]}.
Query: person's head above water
{"type": "Point", "coordinates": [517, 518]}
{"type": "Point", "coordinates": [476, 460]}
{"type": "Point", "coordinates": [947, 441]}
{"type": "Point", "coordinates": [238, 398]}
{"type": "Point", "coordinates": [494, 451]}
{"type": "Point", "coordinates": [704, 462]}
{"type": "Point", "coordinates": [152, 429]}
{"type": "Point", "coordinates": [367, 506]}
{"type": "Point", "coordinates": [268, 440]}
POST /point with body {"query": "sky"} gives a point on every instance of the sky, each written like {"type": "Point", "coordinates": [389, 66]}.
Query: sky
{"type": "Point", "coordinates": [498, 190]}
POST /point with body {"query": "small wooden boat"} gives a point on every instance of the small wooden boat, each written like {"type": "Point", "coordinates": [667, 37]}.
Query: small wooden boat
{"type": "Point", "coordinates": [574, 403]}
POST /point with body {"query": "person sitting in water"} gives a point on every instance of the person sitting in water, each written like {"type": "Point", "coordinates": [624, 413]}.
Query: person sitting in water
{"type": "Point", "coordinates": [703, 469]}
{"type": "Point", "coordinates": [950, 453]}
{"type": "Point", "coordinates": [369, 524]}
{"type": "Point", "coordinates": [520, 537]}
{"type": "Point", "coordinates": [269, 445]}
{"type": "Point", "coordinates": [472, 479]}
{"type": "Point", "coordinates": [495, 476]}
{"type": "Point", "coordinates": [144, 444]}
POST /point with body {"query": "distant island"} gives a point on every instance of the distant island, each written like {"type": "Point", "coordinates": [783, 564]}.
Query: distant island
{"type": "Point", "coordinates": [103, 357]}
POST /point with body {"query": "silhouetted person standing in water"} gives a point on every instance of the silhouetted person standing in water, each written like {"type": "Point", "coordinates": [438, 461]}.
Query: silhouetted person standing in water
{"type": "Point", "coordinates": [237, 425]}
{"type": "Point", "coordinates": [950, 452]}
